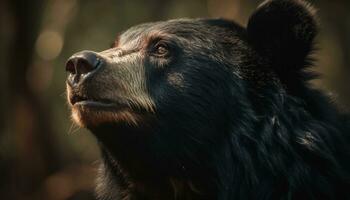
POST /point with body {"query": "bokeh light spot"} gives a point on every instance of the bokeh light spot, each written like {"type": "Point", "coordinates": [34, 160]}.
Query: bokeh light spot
{"type": "Point", "coordinates": [49, 44]}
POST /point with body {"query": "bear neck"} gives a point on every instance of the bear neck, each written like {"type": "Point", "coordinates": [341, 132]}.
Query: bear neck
{"type": "Point", "coordinates": [116, 183]}
{"type": "Point", "coordinates": [131, 167]}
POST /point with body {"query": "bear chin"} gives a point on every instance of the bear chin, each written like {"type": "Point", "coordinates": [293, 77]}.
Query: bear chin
{"type": "Point", "coordinates": [92, 116]}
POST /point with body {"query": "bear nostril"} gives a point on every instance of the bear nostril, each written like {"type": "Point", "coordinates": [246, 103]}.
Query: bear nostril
{"type": "Point", "coordinates": [70, 67]}
{"type": "Point", "coordinates": [84, 66]}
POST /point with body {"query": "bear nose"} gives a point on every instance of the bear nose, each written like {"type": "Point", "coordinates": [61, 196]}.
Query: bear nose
{"type": "Point", "coordinates": [81, 65]}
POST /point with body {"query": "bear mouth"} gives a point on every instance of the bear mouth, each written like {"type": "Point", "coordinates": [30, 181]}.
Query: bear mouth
{"type": "Point", "coordinates": [86, 102]}
{"type": "Point", "coordinates": [91, 112]}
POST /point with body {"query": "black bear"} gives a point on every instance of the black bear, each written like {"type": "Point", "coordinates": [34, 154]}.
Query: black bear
{"type": "Point", "coordinates": [205, 109]}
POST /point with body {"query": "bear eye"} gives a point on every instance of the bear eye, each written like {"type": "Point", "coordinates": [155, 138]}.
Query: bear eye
{"type": "Point", "coordinates": [161, 50]}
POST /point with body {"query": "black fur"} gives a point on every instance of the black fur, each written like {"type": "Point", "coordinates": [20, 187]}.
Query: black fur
{"type": "Point", "coordinates": [241, 124]}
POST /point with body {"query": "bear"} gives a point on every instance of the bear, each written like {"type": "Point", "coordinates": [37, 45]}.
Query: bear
{"type": "Point", "coordinates": [206, 109]}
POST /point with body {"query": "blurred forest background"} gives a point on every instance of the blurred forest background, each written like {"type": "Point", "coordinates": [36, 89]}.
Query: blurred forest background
{"type": "Point", "coordinates": [44, 156]}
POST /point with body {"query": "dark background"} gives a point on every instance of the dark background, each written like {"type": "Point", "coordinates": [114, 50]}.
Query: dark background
{"type": "Point", "coordinates": [43, 155]}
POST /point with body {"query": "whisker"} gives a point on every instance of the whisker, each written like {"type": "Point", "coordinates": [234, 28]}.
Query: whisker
{"type": "Point", "coordinates": [73, 128]}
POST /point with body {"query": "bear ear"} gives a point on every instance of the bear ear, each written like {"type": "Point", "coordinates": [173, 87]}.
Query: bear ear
{"type": "Point", "coordinates": [284, 31]}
